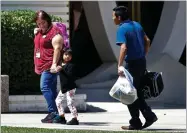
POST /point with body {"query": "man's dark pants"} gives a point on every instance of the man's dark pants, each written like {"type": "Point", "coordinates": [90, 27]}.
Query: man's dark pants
{"type": "Point", "coordinates": [137, 69]}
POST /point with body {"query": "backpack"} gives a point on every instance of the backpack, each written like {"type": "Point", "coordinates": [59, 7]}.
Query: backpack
{"type": "Point", "coordinates": [152, 84]}
{"type": "Point", "coordinates": [63, 29]}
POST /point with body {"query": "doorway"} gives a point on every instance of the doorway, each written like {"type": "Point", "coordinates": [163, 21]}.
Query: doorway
{"type": "Point", "coordinates": [85, 55]}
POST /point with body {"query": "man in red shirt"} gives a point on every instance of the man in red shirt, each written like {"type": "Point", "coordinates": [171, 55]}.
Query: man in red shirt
{"type": "Point", "coordinates": [48, 45]}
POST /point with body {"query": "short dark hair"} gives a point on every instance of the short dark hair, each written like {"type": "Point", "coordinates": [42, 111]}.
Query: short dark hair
{"type": "Point", "coordinates": [68, 50]}
{"type": "Point", "coordinates": [121, 11]}
{"type": "Point", "coordinates": [44, 16]}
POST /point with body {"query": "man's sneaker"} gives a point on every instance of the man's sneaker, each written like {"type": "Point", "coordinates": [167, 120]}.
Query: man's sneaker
{"type": "Point", "coordinates": [49, 118]}
{"type": "Point", "coordinates": [73, 121]}
{"type": "Point", "coordinates": [150, 122]}
{"type": "Point", "coordinates": [59, 119]}
{"type": "Point", "coordinates": [130, 128]}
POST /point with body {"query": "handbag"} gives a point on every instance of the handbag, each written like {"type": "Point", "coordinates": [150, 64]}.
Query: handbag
{"type": "Point", "coordinates": [152, 84]}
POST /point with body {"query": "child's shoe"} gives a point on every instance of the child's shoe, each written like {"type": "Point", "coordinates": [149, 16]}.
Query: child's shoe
{"type": "Point", "coordinates": [59, 119]}
{"type": "Point", "coordinates": [73, 121]}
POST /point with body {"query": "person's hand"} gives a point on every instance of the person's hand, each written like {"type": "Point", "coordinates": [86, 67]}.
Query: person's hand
{"type": "Point", "coordinates": [63, 64]}
{"type": "Point", "coordinates": [120, 71]}
{"type": "Point", "coordinates": [58, 68]}
{"type": "Point", "coordinates": [53, 68]}
{"type": "Point", "coordinates": [36, 30]}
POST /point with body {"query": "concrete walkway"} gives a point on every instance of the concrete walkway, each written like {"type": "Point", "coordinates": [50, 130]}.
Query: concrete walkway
{"type": "Point", "coordinates": [169, 120]}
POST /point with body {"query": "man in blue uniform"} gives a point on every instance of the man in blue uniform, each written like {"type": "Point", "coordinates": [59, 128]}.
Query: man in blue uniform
{"type": "Point", "coordinates": [134, 45]}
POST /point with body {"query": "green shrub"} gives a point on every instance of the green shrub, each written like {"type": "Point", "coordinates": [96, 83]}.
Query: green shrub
{"type": "Point", "coordinates": [17, 51]}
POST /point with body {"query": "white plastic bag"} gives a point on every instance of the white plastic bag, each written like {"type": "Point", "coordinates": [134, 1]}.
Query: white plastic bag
{"type": "Point", "coordinates": [123, 90]}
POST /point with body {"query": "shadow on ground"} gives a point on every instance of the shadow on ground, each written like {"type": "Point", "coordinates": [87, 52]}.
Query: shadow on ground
{"type": "Point", "coordinates": [91, 108]}
{"type": "Point", "coordinates": [94, 123]}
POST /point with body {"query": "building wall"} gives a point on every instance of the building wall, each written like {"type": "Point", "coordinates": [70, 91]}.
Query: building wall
{"type": "Point", "coordinates": [166, 49]}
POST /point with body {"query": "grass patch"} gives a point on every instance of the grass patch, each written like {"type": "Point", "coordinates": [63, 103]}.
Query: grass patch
{"type": "Point", "coordinates": [5, 129]}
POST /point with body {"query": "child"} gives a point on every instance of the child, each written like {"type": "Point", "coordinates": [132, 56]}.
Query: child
{"type": "Point", "coordinates": [68, 88]}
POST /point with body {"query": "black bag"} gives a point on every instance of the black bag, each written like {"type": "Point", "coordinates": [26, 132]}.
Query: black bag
{"type": "Point", "coordinates": [152, 84]}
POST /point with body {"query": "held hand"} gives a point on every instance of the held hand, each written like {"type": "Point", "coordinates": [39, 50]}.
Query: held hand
{"type": "Point", "coordinates": [53, 68]}
{"type": "Point", "coordinates": [58, 68]}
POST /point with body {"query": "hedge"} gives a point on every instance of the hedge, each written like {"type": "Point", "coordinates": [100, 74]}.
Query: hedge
{"type": "Point", "coordinates": [17, 51]}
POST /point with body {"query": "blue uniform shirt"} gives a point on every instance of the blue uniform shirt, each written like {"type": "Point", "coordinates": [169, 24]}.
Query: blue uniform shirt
{"type": "Point", "coordinates": [131, 33]}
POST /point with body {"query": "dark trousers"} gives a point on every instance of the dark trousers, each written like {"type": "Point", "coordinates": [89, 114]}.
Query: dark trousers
{"type": "Point", "coordinates": [137, 69]}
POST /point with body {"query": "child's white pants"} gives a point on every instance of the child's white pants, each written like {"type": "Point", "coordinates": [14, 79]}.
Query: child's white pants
{"type": "Point", "coordinates": [69, 96]}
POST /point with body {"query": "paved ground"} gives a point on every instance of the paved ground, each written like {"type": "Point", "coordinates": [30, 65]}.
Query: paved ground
{"type": "Point", "coordinates": [169, 120]}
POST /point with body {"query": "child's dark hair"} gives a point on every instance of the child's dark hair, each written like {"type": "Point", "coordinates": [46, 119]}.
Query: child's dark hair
{"type": "Point", "coordinates": [68, 50]}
